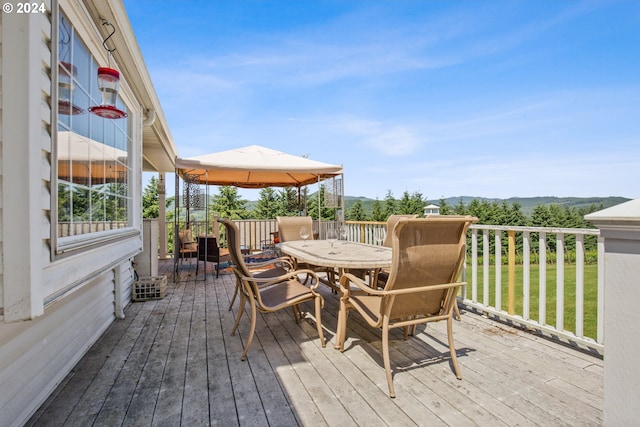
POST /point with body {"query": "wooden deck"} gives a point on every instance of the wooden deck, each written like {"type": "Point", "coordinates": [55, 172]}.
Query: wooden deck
{"type": "Point", "coordinates": [173, 362]}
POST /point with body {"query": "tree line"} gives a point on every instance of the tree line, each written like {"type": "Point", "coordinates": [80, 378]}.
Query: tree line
{"type": "Point", "coordinates": [228, 203]}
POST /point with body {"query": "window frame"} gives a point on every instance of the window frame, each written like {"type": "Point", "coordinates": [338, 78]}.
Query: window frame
{"type": "Point", "coordinates": [86, 32]}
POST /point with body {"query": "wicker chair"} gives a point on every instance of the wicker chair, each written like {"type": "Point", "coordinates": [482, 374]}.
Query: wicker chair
{"type": "Point", "coordinates": [269, 294]}
{"type": "Point", "coordinates": [428, 254]}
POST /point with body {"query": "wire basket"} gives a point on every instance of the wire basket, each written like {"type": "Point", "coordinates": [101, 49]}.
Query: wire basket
{"type": "Point", "coordinates": [148, 288]}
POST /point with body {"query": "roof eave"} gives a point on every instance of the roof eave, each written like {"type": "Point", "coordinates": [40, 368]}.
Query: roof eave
{"type": "Point", "coordinates": [158, 148]}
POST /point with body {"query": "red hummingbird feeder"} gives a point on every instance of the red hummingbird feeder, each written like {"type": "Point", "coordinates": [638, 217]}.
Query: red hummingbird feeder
{"type": "Point", "coordinates": [108, 85]}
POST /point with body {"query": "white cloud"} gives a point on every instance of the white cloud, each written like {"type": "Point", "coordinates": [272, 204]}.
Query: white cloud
{"type": "Point", "coordinates": [387, 139]}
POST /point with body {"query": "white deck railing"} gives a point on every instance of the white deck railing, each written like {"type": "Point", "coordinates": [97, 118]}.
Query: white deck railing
{"type": "Point", "coordinates": [522, 275]}
{"type": "Point", "coordinates": [538, 303]}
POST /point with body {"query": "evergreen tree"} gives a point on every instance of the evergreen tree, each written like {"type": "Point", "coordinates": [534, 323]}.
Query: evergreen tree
{"type": "Point", "coordinates": [541, 216]}
{"type": "Point", "coordinates": [288, 200]}
{"type": "Point", "coordinates": [328, 214]}
{"type": "Point", "coordinates": [170, 208]}
{"type": "Point", "coordinates": [515, 216]}
{"type": "Point", "coordinates": [411, 204]}
{"type": "Point", "coordinates": [268, 206]}
{"type": "Point", "coordinates": [377, 214]}
{"type": "Point", "coordinates": [445, 209]}
{"type": "Point", "coordinates": [389, 205]}
{"type": "Point", "coordinates": [460, 208]}
{"type": "Point", "coordinates": [228, 204]}
{"type": "Point", "coordinates": [356, 213]}
{"type": "Point", "coordinates": [150, 207]}
{"type": "Point", "coordinates": [477, 209]}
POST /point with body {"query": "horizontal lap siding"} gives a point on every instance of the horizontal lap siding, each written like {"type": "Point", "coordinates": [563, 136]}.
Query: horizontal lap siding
{"type": "Point", "coordinates": [43, 351]}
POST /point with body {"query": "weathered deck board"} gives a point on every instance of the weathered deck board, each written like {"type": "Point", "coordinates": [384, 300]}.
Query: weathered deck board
{"type": "Point", "coordinates": [174, 362]}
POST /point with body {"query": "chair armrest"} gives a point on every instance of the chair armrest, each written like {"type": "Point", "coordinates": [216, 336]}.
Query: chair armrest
{"type": "Point", "coordinates": [425, 288]}
{"type": "Point", "coordinates": [268, 281]}
{"type": "Point", "coordinates": [348, 277]}
{"type": "Point", "coordinates": [283, 260]}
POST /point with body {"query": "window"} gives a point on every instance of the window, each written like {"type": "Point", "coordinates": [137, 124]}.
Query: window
{"type": "Point", "coordinates": [94, 154]}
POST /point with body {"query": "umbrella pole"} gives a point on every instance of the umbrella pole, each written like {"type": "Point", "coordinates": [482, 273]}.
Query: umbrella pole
{"type": "Point", "coordinates": [320, 235]}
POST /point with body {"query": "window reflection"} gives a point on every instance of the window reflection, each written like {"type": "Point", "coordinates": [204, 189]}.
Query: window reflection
{"type": "Point", "coordinates": [93, 152]}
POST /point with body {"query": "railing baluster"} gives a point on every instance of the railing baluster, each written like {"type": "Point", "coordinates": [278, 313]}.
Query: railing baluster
{"type": "Point", "coordinates": [542, 282]}
{"type": "Point", "coordinates": [526, 275]}
{"type": "Point", "coordinates": [580, 285]}
{"type": "Point", "coordinates": [600, 321]}
{"type": "Point", "coordinates": [498, 265]}
{"type": "Point", "coordinates": [511, 262]}
{"type": "Point", "coordinates": [474, 265]}
{"type": "Point", "coordinates": [560, 281]}
{"type": "Point", "coordinates": [486, 254]}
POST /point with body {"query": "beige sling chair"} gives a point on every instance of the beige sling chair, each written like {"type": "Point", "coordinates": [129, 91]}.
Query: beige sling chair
{"type": "Point", "coordinates": [289, 230]}
{"type": "Point", "coordinates": [428, 254]}
{"type": "Point", "coordinates": [269, 294]}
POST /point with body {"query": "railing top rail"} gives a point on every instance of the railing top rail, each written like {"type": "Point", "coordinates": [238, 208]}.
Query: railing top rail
{"type": "Point", "coordinates": [551, 230]}
{"type": "Point", "coordinates": [367, 222]}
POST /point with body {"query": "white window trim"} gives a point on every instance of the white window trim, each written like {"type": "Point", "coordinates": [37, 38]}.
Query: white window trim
{"type": "Point", "coordinates": [62, 247]}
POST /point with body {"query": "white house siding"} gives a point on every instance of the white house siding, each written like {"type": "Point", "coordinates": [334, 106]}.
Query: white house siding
{"type": "Point", "coordinates": [36, 355]}
{"type": "Point", "coordinates": [26, 148]}
{"type": "Point", "coordinates": [51, 312]}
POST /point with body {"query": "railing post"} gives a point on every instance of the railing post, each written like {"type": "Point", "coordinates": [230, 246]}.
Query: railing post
{"type": "Point", "coordinates": [620, 227]}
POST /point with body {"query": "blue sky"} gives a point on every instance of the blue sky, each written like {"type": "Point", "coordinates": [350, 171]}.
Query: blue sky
{"type": "Point", "coordinates": [446, 98]}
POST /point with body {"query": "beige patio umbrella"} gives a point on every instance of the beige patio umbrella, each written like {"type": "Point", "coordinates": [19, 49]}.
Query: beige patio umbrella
{"type": "Point", "coordinates": [254, 166]}
{"type": "Point", "coordinates": [84, 161]}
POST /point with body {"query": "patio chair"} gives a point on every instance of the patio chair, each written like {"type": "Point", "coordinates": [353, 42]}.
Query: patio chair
{"type": "Point", "coordinates": [428, 254]}
{"type": "Point", "coordinates": [391, 223]}
{"type": "Point", "coordinates": [209, 251]}
{"type": "Point", "coordinates": [289, 227]}
{"type": "Point", "coordinates": [271, 293]}
{"type": "Point", "coordinates": [187, 246]}
{"type": "Point", "coordinates": [273, 267]}
{"type": "Point", "coordinates": [289, 230]}
{"type": "Point", "coordinates": [379, 277]}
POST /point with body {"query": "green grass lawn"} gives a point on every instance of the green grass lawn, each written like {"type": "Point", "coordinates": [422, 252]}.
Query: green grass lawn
{"type": "Point", "coordinates": [590, 294]}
